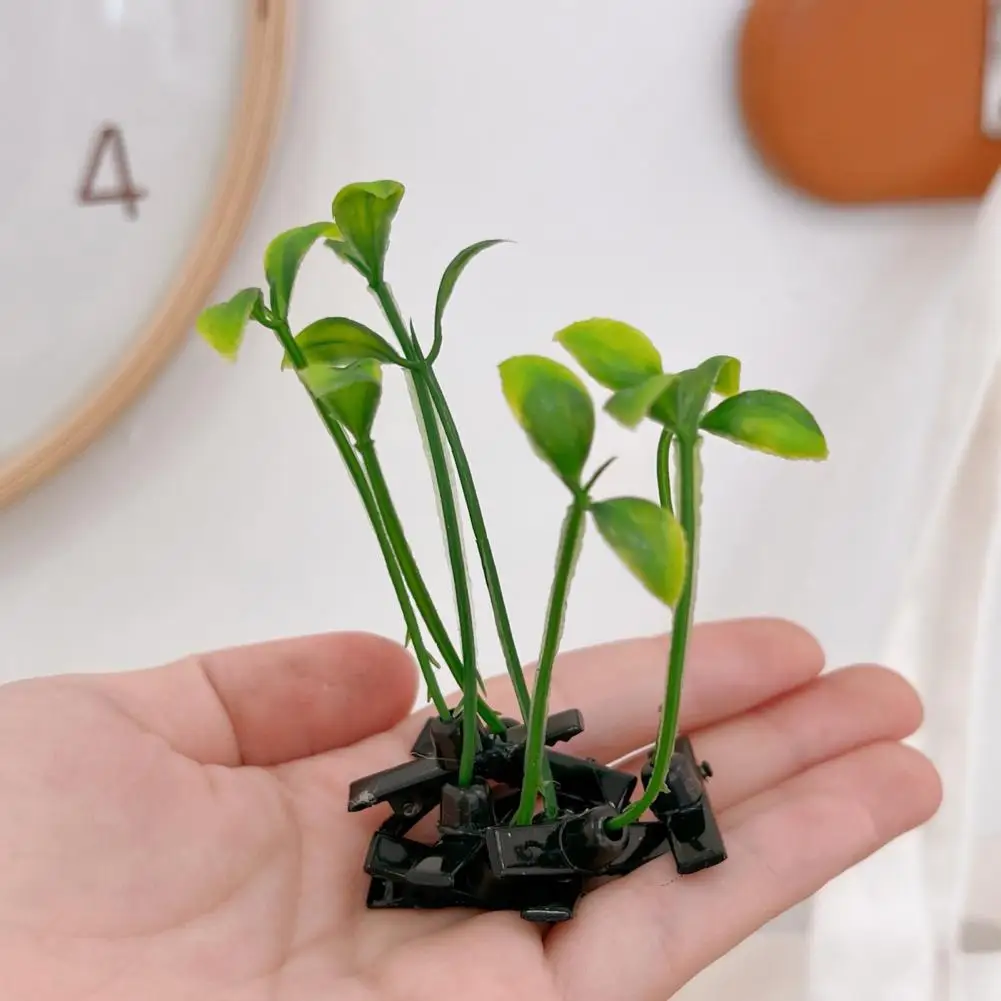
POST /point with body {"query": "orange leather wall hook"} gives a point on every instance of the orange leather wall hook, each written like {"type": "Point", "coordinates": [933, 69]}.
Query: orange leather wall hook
{"type": "Point", "coordinates": [875, 100]}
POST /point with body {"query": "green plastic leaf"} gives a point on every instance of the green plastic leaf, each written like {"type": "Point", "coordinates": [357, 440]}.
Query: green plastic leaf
{"type": "Point", "coordinates": [728, 377]}
{"type": "Point", "coordinates": [449, 278]}
{"type": "Point", "coordinates": [336, 339]}
{"type": "Point", "coordinates": [630, 406]}
{"type": "Point", "coordinates": [683, 406]}
{"type": "Point", "coordinates": [554, 409]}
{"type": "Point", "coordinates": [364, 214]}
{"type": "Point", "coordinates": [351, 392]}
{"type": "Point", "coordinates": [768, 421]}
{"type": "Point", "coordinates": [649, 540]}
{"type": "Point", "coordinates": [223, 325]}
{"type": "Point", "coordinates": [346, 252]}
{"type": "Point", "coordinates": [613, 353]}
{"type": "Point", "coordinates": [284, 256]}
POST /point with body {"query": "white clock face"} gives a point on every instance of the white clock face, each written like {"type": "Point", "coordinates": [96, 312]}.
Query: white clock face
{"type": "Point", "coordinates": [118, 116]}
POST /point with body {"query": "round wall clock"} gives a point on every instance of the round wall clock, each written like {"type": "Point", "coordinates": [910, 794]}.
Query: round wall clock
{"type": "Point", "coordinates": [135, 136]}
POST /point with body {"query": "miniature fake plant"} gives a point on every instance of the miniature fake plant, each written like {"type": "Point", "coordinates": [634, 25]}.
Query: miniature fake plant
{"type": "Point", "coordinates": [341, 364]}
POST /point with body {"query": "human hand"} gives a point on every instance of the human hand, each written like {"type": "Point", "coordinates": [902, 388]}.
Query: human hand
{"type": "Point", "coordinates": [180, 833]}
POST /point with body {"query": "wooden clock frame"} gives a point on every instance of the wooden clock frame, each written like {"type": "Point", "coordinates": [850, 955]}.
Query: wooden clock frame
{"type": "Point", "coordinates": [172, 318]}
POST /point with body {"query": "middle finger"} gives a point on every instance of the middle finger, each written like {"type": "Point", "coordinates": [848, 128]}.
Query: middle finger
{"type": "Point", "coordinates": [830, 716]}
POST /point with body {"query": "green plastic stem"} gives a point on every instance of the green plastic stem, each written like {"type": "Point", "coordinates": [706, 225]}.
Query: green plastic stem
{"type": "Point", "coordinates": [357, 474]}
{"type": "Point", "coordinates": [664, 469]}
{"type": "Point", "coordinates": [535, 746]}
{"type": "Point", "coordinates": [412, 575]}
{"type": "Point", "coordinates": [478, 525]}
{"type": "Point", "coordinates": [689, 476]}
{"type": "Point", "coordinates": [453, 529]}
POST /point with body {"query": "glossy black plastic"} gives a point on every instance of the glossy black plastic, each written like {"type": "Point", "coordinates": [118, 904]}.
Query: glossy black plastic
{"type": "Point", "coordinates": [540, 870]}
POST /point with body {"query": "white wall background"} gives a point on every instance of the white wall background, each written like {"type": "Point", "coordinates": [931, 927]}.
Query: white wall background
{"type": "Point", "coordinates": [606, 140]}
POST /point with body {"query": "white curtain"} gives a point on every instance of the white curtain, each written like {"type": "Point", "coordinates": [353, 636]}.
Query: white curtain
{"type": "Point", "coordinates": [892, 929]}
{"type": "Point", "coordinates": [921, 920]}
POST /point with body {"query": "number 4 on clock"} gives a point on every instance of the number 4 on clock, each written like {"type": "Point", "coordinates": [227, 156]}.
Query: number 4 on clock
{"type": "Point", "coordinates": [109, 148]}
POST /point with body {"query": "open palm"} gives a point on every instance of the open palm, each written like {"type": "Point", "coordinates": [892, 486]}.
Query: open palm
{"type": "Point", "coordinates": [181, 833]}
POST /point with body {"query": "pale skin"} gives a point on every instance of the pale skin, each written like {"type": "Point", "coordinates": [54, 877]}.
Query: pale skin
{"type": "Point", "coordinates": [179, 833]}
